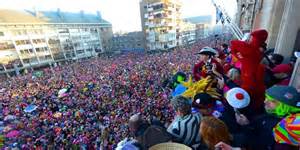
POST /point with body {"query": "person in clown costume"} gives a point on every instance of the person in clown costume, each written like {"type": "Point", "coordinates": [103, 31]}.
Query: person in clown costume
{"type": "Point", "coordinates": [250, 54]}
{"type": "Point", "coordinates": [280, 102]}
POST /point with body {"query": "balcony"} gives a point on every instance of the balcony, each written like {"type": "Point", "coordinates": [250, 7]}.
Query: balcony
{"type": "Point", "coordinates": [25, 56]}
{"type": "Point", "coordinates": [25, 46]}
{"type": "Point", "coordinates": [151, 17]}
{"type": "Point", "coordinates": [146, 16]}
{"type": "Point", "coordinates": [44, 53]}
{"type": "Point", "coordinates": [150, 9]}
{"type": "Point", "coordinates": [20, 37]}
{"type": "Point", "coordinates": [37, 36]}
{"type": "Point", "coordinates": [40, 45]}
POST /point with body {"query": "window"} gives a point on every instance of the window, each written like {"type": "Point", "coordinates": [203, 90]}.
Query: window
{"type": "Point", "coordinates": [4, 45]}
{"type": "Point", "coordinates": [24, 32]}
{"type": "Point", "coordinates": [48, 57]}
{"type": "Point", "coordinates": [38, 50]}
{"type": "Point", "coordinates": [63, 31]}
{"type": "Point", "coordinates": [26, 42]}
{"type": "Point", "coordinates": [26, 61]}
{"type": "Point", "coordinates": [1, 33]}
{"type": "Point", "coordinates": [34, 41]}
{"type": "Point", "coordinates": [80, 51]}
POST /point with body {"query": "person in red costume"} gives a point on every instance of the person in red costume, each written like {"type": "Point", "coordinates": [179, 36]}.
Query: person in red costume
{"type": "Point", "coordinates": [250, 54]}
{"type": "Point", "coordinates": [207, 65]}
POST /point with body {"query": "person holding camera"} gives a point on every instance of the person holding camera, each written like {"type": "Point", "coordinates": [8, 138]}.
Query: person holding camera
{"type": "Point", "coordinates": [207, 65]}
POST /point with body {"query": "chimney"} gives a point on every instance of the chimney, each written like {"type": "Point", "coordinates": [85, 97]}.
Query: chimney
{"type": "Point", "coordinates": [81, 13]}
{"type": "Point", "coordinates": [59, 13]}
{"type": "Point", "coordinates": [99, 15]}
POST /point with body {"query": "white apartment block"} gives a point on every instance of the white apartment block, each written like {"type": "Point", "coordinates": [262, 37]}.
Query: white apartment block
{"type": "Point", "coordinates": [161, 21]}
{"type": "Point", "coordinates": [34, 42]}
{"type": "Point", "coordinates": [188, 33]}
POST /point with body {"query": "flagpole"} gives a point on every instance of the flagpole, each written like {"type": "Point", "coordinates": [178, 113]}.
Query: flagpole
{"type": "Point", "coordinates": [235, 29]}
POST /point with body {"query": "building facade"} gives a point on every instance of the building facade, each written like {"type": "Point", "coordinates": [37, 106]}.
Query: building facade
{"type": "Point", "coordinates": [188, 33]}
{"type": "Point", "coordinates": [246, 14]}
{"type": "Point", "coordinates": [279, 17]}
{"type": "Point", "coordinates": [132, 41]}
{"type": "Point", "coordinates": [30, 39]}
{"type": "Point", "coordinates": [161, 20]}
{"type": "Point", "coordinates": [203, 26]}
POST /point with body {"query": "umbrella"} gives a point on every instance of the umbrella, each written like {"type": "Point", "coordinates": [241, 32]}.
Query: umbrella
{"type": "Point", "coordinates": [61, 93]}
{"type": "Point", "coordinates": [12, 134]}
{"type": "Point", "coordinates": [9, 117]}
{"type": "Point", "coordinates": [30, 108]}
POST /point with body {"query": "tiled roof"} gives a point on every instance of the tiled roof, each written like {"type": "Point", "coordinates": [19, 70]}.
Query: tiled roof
{"type": "Point", "coordinates": [28, 16]}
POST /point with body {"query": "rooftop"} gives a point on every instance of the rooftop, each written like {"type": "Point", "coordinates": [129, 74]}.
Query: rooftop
{"type": "Point", "coordinates": [28, 16]}
{"type": "Point", "coordinates": [199, 19]}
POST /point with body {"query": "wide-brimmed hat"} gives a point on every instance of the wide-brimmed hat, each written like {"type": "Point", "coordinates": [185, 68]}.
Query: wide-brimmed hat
{"type": "Point", "coordinates": [170, 146]}
{"type": "Point", "coordinates": [208, 51]}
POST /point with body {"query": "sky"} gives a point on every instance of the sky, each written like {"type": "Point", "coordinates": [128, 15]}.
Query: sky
{"type": "Point", "coordinates": [123, 14]}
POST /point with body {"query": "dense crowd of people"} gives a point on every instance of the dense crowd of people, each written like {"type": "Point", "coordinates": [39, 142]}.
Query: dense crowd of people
{"type": "Point", "coordinates": [103, 93]}
{"type": "Point", "coordinates": [89, 104]}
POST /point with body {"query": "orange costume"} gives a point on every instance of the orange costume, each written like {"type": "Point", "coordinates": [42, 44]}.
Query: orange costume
{"type": "Point", "coordinates": [252, 72]}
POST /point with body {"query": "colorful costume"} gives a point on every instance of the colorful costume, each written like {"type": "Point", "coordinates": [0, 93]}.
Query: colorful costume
{"type": "Point", "coordinates": [252, 72]}
{"type": "Point", "coordinates": [201, 86]}
{"type": "Point", "coordinates": [287, 131]}
{"type": "Point", "coordinates": [199, 70]}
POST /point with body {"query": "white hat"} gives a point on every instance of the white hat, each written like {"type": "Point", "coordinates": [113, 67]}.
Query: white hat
{"type": "Point", "coordinates": [208, 51]}
{"type": "Point", "coordinates": [238, 98]}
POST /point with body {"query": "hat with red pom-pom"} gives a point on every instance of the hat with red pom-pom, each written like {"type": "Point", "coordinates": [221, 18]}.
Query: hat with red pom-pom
{"type": "Point", "coordinates": [238, 98]}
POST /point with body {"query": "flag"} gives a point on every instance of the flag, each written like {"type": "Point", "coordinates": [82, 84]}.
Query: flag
{"type": "Point", "coordinates": [219, 16]}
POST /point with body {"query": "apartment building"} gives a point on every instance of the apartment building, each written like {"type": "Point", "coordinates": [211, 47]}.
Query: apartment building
{"type": "Point", "coordinates": [35, 38]}
{"type": "Point", "coordinates": [161, 20]}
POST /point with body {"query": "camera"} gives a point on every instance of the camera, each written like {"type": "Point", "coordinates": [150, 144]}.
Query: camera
{"type": "Point", "coordinates": [208, 66]}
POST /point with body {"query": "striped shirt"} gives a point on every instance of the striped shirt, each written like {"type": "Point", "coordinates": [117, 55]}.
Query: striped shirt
{"type": "Point", "coordinates": [186, 129]}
